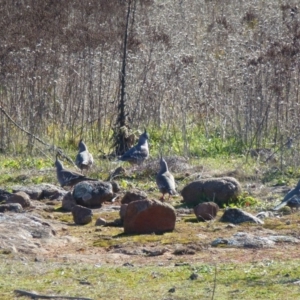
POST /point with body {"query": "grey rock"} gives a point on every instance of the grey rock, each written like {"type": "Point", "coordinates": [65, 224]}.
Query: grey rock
{"type": "Point", "coordinates": [247, 240]}
{"type": "Point", "coordinates": [82, 215]}
{"type": "Point", "coordinates": [4, 195]}
{"type": "Point", "coordinates": [100, 222]}
{"type": "Point", "coordinates": [12, 207]}
{"type": "Point", "coordinates": [93, 193]}
{"type": "Point", "coordinates": [243, 240]}
{"type": "Point", "coordinates": [265, 214]}
{"type": "Point", "coordinates": [68, 202]}
{"type": "Point", "coordinates": [24, 233]}
{"type": "Point", "coordinates": [41, 191]}
{"type": "Point", "coordinates": [237, 216]}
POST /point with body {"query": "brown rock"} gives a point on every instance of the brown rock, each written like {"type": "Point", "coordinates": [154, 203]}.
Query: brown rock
{"type": "Point", "coordinates": [68, 202]}
{"type": "Point", "coordinates": [21, 198]}
{"type": "Point", "coordinates": [206, 211]}
{"type": "Point", "coordinates": [222, 191]}
{"type": "Point", "coordinates": [148, 216]}
{"type": "Point", "coordinates": [82, 215]}
{"type": "Point", "coordinates": [133, 195]}
{"type": "Point", "coordinates": [123, 208]}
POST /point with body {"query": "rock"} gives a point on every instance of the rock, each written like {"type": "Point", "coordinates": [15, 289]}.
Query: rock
{"type": "Point", "coordinates": [243, 240]}
{"type": "Point", "coordinates": [237, 216]}
{"type": "Point", "coordinates": [265, 214]}
{"type": "Point", "coordinates": [25, 233]}
{"type": "Point", "coordinates": [92, 193]}
{"type": "Point", "coordinates": [222, 191]}
{"type": "Point", "coordinates": [41, 191]}
{"type": "Point", "coordinates": [133, 195]}
{"type": "Point", "coordinates": [115, 186]}
{"type": "Point", "coordinates": [123, 208]}
{"type": "Point", "coordinates": [21, 198]}
{"type": "Point", "coordinates": [52, 192]}
{"type": "Point", "coordinates": [82, 215]}
{"type": "Point", "coordinates": [4, 195]}
{"type": "Point", "coordinates": [149, 216]}
{"type": "Point", "coordinates": [247, 240]}
{"type": "Point", "coordinates": [33, 192]}
{"type": "Point", "coordinates": [100, 222]}
{"type": "Point", "coordinates": [13, 207]}
{"type": "Point", "coordinates": [206, 211]}
{"type": "Point", "coordinates": [68, 202]}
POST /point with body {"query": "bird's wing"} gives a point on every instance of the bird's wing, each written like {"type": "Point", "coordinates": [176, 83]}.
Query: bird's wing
{"type": "Point", "coordinates": [166, 181]}
{"type": "Point", "coordinates": [84, 158]}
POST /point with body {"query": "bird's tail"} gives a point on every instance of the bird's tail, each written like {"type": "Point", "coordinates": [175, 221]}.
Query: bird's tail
{"type": "Point", "coordinates": [282, 204]}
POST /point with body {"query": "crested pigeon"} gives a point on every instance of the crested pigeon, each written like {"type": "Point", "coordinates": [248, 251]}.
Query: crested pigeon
{"type": "Point", "coordinates": [67, 177]}
{"type": "Point", "coordinates": [138, 153]}
{"type": "Point", "coordinates": [165, 180]}
{"type": "Point", "coordinates": [291, 199]}
{"type": "Point", "coordinates": [84, 159]}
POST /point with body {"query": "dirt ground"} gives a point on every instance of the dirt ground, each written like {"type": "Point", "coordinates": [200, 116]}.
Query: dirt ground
{"type": "Point", "coordinates": [65, 241]}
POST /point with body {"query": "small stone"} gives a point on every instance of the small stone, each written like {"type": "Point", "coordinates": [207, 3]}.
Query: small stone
{"type": "Point", "coordinates": [206, 211]}
{"type": "Point", "coordinates": [194, 276]}
{"type": "Point", "coordinates": [100, 222]}
{"type": "Point", "coordinates": [81, 215]}
{"type": "Point", "coordinates": [172, 290]}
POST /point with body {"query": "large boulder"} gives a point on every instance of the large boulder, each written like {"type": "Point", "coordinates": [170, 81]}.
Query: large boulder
{"type": "Point", "coordinates": [149, 216]}
{"type": "Point", "coordinates": [93, 193]}
{"type": "Point", "coordinates": [21, 198]}
{"type": "Point", "coordinates": [222, 191]}
{"type": "Point", "coordinates": [237, 216]}
{"type": "Point", "coordinates": [206, 211]}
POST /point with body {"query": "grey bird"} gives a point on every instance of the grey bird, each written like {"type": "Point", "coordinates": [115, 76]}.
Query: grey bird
{"type": "Point", "coordinates": [67, 177]}
{"type": "Point", "coordinates": [291, 199]}
{"type": "Point", "coordinates": [84, 159]}
{"type": "Point", "coordinates": [165, 180]}
{"type": "Point", "coordinates": [138, 153]}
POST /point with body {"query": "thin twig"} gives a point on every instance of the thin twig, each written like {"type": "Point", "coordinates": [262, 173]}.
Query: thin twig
{"type": "Point", "coordinates": [37, 296]}
{"type": "Point", "coordinates": [215, 283]}
{"type": "Point", "coordinates": [51, 147]}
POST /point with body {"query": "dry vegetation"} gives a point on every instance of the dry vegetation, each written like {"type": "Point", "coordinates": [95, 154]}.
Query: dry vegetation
{"type": "Point", "coordinates": [226, 69]}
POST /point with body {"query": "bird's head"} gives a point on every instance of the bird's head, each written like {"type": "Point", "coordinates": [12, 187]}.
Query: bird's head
{"type": "Point", "coordinates": [81, 146]}
{"type": "Point", "coordinates": [58, 164]}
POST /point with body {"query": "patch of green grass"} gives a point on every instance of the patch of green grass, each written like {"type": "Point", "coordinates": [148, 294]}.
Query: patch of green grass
{"type": "Point", "coordinates": [264, 280]}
